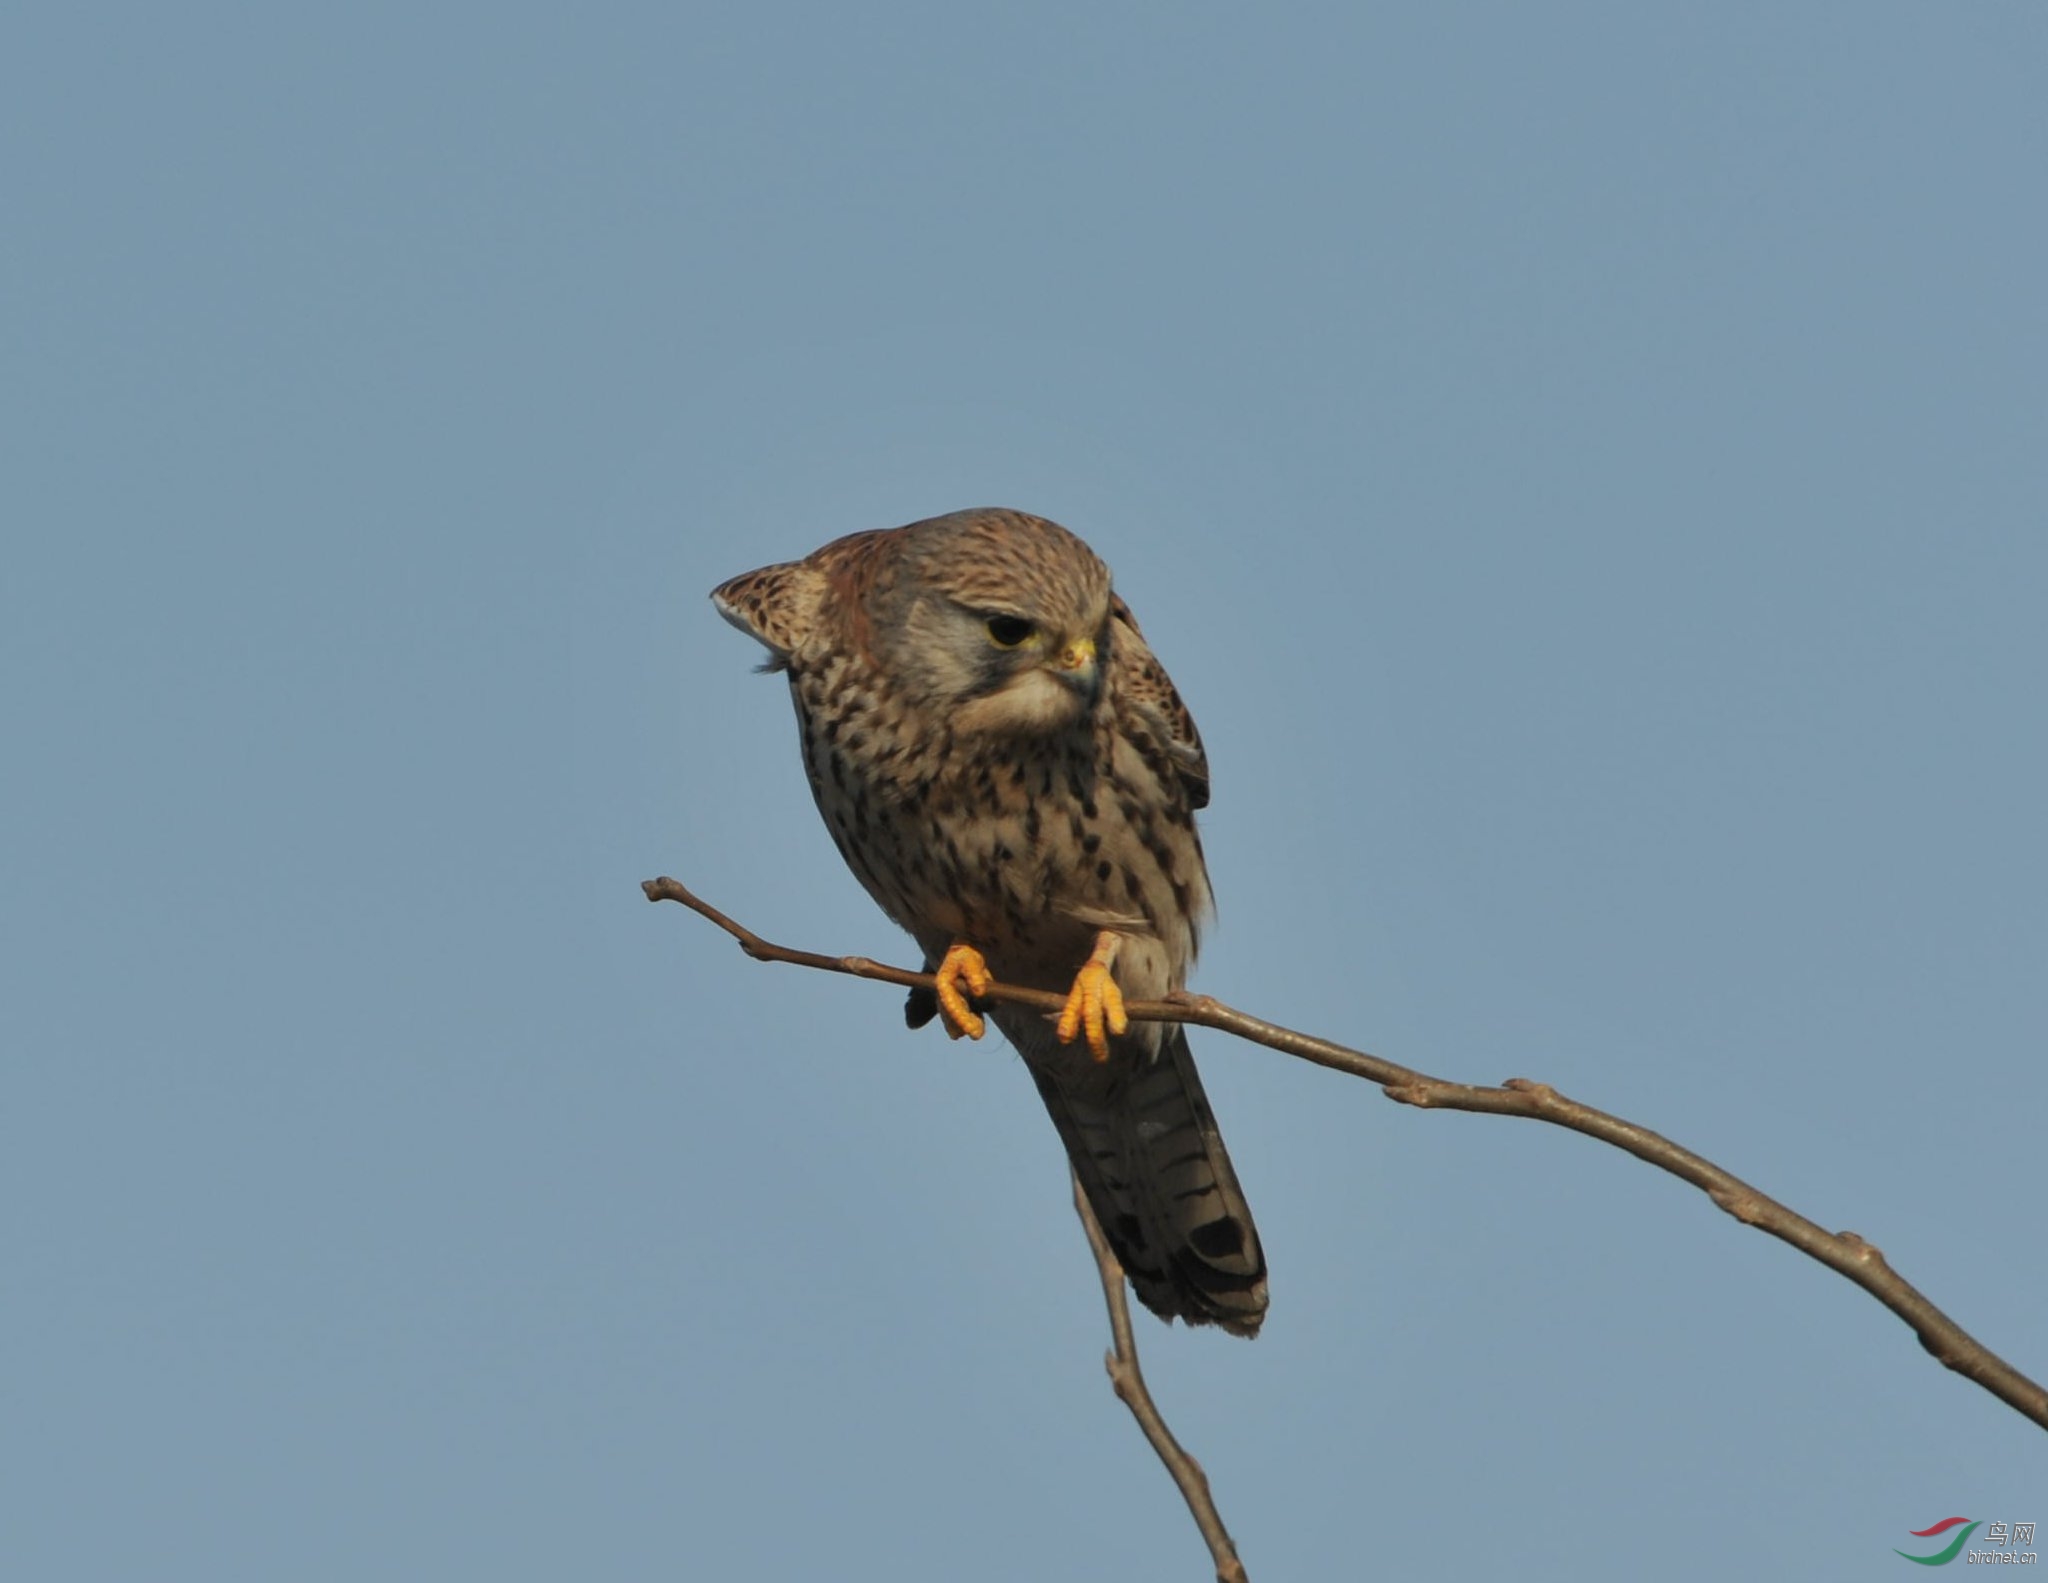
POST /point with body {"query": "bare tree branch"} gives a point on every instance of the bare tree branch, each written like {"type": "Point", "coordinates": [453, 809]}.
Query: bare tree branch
{"type": "Point", "coordinates": [1844, 1252]}
{"type": "Point", "coordinates": [1129, 1381]}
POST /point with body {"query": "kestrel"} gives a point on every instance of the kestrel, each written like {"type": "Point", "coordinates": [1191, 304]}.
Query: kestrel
{"type": "Point", "coordinates": [1011, 775]}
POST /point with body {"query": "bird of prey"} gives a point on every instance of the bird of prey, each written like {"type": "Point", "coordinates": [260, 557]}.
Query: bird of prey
{"type": "Point", "coordinates": [1009, 772]}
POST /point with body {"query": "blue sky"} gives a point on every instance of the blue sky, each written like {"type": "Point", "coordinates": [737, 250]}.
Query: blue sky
{"type": "Point", "coordinates": [1584, 467]}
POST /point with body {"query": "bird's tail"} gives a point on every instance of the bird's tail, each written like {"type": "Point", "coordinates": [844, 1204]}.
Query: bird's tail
{"type": "Point", "coordinates": [1145, 1145]}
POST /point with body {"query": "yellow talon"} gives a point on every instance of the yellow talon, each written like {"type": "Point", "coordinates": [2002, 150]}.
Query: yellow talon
{"type": "Point", "coordinates": [1095, 1005]}
{"type": "Point", "coordinates": [963, 964]}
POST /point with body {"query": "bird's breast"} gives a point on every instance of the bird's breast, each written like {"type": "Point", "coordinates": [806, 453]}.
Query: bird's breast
{"type": "Point", "coordinates": [1024, 845]}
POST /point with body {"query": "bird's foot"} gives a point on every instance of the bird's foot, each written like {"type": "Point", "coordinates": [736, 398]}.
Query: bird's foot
{"type": "Point", "coordinates": [962, 965]}
{"type": "Point", "coordinates": [1095, 1006]}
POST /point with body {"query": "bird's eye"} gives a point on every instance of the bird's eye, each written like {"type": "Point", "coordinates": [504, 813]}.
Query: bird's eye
{"type": "Point", "coordinates": [1008, 631]}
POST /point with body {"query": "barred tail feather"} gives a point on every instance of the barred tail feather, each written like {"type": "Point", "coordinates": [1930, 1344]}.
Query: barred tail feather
{"type": "Point", "coordinates": [1151, 1160]}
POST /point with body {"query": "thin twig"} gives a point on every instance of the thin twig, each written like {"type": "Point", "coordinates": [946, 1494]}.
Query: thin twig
{"type": "Point", "coordinates": [1844, 1252]}
{"type": "Point", "coordinates": [1129, 1381]}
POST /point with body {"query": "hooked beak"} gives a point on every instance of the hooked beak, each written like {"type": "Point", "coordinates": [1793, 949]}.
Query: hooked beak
{"type": "Point", "coordinates": [1075, 664]}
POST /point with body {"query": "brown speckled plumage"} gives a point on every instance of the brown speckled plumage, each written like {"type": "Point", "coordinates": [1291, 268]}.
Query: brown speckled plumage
{"type": "Point", "coordinates": [1025, 797]}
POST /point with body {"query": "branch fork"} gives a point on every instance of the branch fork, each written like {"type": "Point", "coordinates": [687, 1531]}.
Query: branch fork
{"type": "Point", "coordinates": [1844, 1252]}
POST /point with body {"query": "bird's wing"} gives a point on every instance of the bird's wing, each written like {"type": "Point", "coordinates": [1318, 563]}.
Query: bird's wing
{"type": "Point", "coordinates": [1143, 680]}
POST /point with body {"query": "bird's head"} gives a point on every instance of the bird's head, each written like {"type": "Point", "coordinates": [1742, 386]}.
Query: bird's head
{"type": "Point", "coordinates": [1001, 619]}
